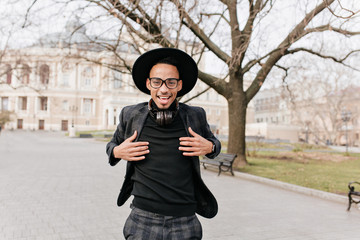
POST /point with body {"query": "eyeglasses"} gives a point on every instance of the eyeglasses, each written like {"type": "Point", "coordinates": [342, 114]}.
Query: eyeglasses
{"type": "Point", "coordinates": [170, 83]}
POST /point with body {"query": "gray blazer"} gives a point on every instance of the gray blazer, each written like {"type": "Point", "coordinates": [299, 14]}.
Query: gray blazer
{"type": "Point", "coordinates": [133, 118]}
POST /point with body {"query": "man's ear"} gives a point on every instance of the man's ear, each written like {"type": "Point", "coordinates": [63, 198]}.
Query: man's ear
{"type": "Point", "coordinates": [179, 87]}
{"type": "Point", "coordinates": [148, 84]}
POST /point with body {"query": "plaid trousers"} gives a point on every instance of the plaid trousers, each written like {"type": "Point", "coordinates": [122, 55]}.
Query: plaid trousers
{"type": "Point", "coordinates": [144, 225]}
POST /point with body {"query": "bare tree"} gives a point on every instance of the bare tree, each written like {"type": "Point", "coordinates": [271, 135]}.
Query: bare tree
{"type": "Point", "coordinates": [251, 38]}
{"type": "Point", "coordinates": [318, 109]}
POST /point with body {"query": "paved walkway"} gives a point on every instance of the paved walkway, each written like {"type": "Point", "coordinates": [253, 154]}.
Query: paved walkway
{"type": "Point", "coordinates": [343, 149]}
{"type": "Point", "coordinates": [53, 187]}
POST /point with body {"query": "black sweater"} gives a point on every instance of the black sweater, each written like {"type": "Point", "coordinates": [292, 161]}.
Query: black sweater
{"type": "Point", "coordinates": [163, 181]}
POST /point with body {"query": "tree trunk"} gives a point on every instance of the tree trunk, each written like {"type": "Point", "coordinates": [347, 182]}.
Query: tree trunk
{"type": "Point", "coordinates": [237, 120]}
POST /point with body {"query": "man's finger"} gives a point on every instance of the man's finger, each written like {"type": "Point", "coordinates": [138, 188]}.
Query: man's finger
{"type": "Point", "coordinates": [189, 149]}
{"type": "Point", "coordinates": [186, 149]}
{"type": "Point", "coordinates": [187, 139]}
{"type": "Point", "coordinates": [185, 143]}
{"type": "Point", "coordinates": [139, 153]}
{"type": "Point", "coordinates": [138, 144]}
{"type": "Point", "coordinates": [133, 137]}
{"type": "Point", "coordinates": [136, 158]}
{"type": "Point", "coordinates": [192, 132]}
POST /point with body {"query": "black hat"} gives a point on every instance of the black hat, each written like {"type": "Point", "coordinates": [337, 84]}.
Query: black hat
{"type": "Point", "coordinates": [186, 66]}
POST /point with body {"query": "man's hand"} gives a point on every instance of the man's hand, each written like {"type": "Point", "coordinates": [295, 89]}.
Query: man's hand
{"type": "Point", "coordinates": [131, 151]}
{"type": "Point", "coordinates": [196, 145]}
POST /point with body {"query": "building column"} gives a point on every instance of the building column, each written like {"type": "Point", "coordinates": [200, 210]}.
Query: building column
{"type": "Point", "coordinates": [111, 117]}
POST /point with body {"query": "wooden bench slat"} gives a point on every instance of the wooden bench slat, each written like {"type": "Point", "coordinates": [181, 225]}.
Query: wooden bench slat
{"type": "Point", "coordinates": [211, 162]}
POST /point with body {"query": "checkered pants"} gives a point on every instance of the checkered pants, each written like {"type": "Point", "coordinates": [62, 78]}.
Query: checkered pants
{"type": "Point", "coordinates": [144, 225]}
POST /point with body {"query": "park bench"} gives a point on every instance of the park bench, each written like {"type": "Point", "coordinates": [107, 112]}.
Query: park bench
{"type": "Point", "coordinates": [223, 161]}
{"type": "Point", "coordinates": [352, 193]}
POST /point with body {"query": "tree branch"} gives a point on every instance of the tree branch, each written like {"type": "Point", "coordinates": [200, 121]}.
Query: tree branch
{"type": "Point", "coordinates": [27, 13]}
{"type": "Point", "coordinates": [197, 95]}
{"type": "Point", "coordinates": [189, 23]}
{"type": "Point", "coordinates": [352, 13]}
{"type": "Point", "coordinates": [328, 27]}
{"type": "Point", "coordinates": [210, 34]}
{"type": "Point", "coordinates": [341, 61]}
{"type": "Point", "coordinates": [293, 36]}
{"type": "Point", "coordinates": [248, 29]}
{"type": "Point", "coordinates": [145, 21]}
{"type": "Point", "coordinates": [218, 84]}
{"type": "Point", "coordinates": [216, 14]}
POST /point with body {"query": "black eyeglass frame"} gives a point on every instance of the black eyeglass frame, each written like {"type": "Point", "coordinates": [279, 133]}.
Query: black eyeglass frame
{"type": "Point", "coordinates": [164, 81]}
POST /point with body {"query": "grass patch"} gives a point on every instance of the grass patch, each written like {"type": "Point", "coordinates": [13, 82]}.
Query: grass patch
{"type": "Point", "coordinates": [296, 147]}
{"type": "Point", "coordinates": [329, 172]}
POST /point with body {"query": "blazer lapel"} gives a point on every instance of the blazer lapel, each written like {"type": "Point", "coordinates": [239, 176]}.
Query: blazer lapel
{"type": "Point", "coordinates": [139, 121]}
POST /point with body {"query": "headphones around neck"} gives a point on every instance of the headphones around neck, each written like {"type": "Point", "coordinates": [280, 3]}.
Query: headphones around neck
{"type": "Point", "coordinates": [163, 117]}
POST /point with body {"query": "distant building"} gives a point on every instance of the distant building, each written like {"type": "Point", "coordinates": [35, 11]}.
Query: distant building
{"type": "Point", "coordinates": [272, 118]}
{"type": "Point", "coordinates": [313, 119]}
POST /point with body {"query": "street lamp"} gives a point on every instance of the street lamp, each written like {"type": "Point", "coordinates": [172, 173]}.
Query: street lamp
{"type": "Point", "coordinates": [73, 109]}
{"type": "Point", "coordinates": [346, 116]}
{"type": "Point", "coordinates": [307, 123]}
{"type": "Point", "coordinates": [72, 131]}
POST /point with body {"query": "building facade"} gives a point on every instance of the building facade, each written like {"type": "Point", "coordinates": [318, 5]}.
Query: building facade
{"type": "Point", "coordinates": [47, 88]}
{"type": "Point", "coordinates": [330, 118]}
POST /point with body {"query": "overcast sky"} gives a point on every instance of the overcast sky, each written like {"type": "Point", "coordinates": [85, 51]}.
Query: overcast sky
{"type": "Point", "coordinates": [51, 16]}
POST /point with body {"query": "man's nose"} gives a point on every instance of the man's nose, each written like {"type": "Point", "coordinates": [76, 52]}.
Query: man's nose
{"type": "Point", "coordinates": [163, 88]}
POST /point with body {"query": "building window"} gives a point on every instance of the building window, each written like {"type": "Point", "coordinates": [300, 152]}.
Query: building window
{"type": "Point", "coordinates": [65, 75]}
{"type": "Point", "coordinates": [65, 105]}
{"type": "Point", "coordinates": [88, 105]}
{"type": "Point", "coordinates": [5, 104]}
{"type": "Point", "coordinates": [25, 74]}
{"type": "Point", "coordinates": [8, 74]}
{"type": "Point", "coordinates": [23, 103]}
{"type": "Point", "coordinates": [88, 75]}
{"type": "Point", "coordinates": [43, 103]}
{"type": "Point", "coordinates": [117, 79]}
{"type": "Point", "coordinates": [44, 74]}
{"type": "Point", "coordinates": [117, 83]}
{"type": "Point", "coordinates": [65, 79]}
{"type": "Point", "coordinates": [87, 82]}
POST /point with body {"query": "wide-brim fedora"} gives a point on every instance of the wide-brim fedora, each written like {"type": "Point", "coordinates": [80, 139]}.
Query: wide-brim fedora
{"type": "Point", "coordinates": [187, 68]}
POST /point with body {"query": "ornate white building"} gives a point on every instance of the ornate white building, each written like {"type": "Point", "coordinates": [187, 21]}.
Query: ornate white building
{"type": "Point", "coordinates": [50, 87]}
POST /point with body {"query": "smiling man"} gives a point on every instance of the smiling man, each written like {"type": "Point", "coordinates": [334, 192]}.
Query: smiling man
{"type": "Point", "coordinates": [161, 140]}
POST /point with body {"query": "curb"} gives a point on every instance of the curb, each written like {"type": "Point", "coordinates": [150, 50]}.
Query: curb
{"type": "Point", "coordinates": [295, 188]}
